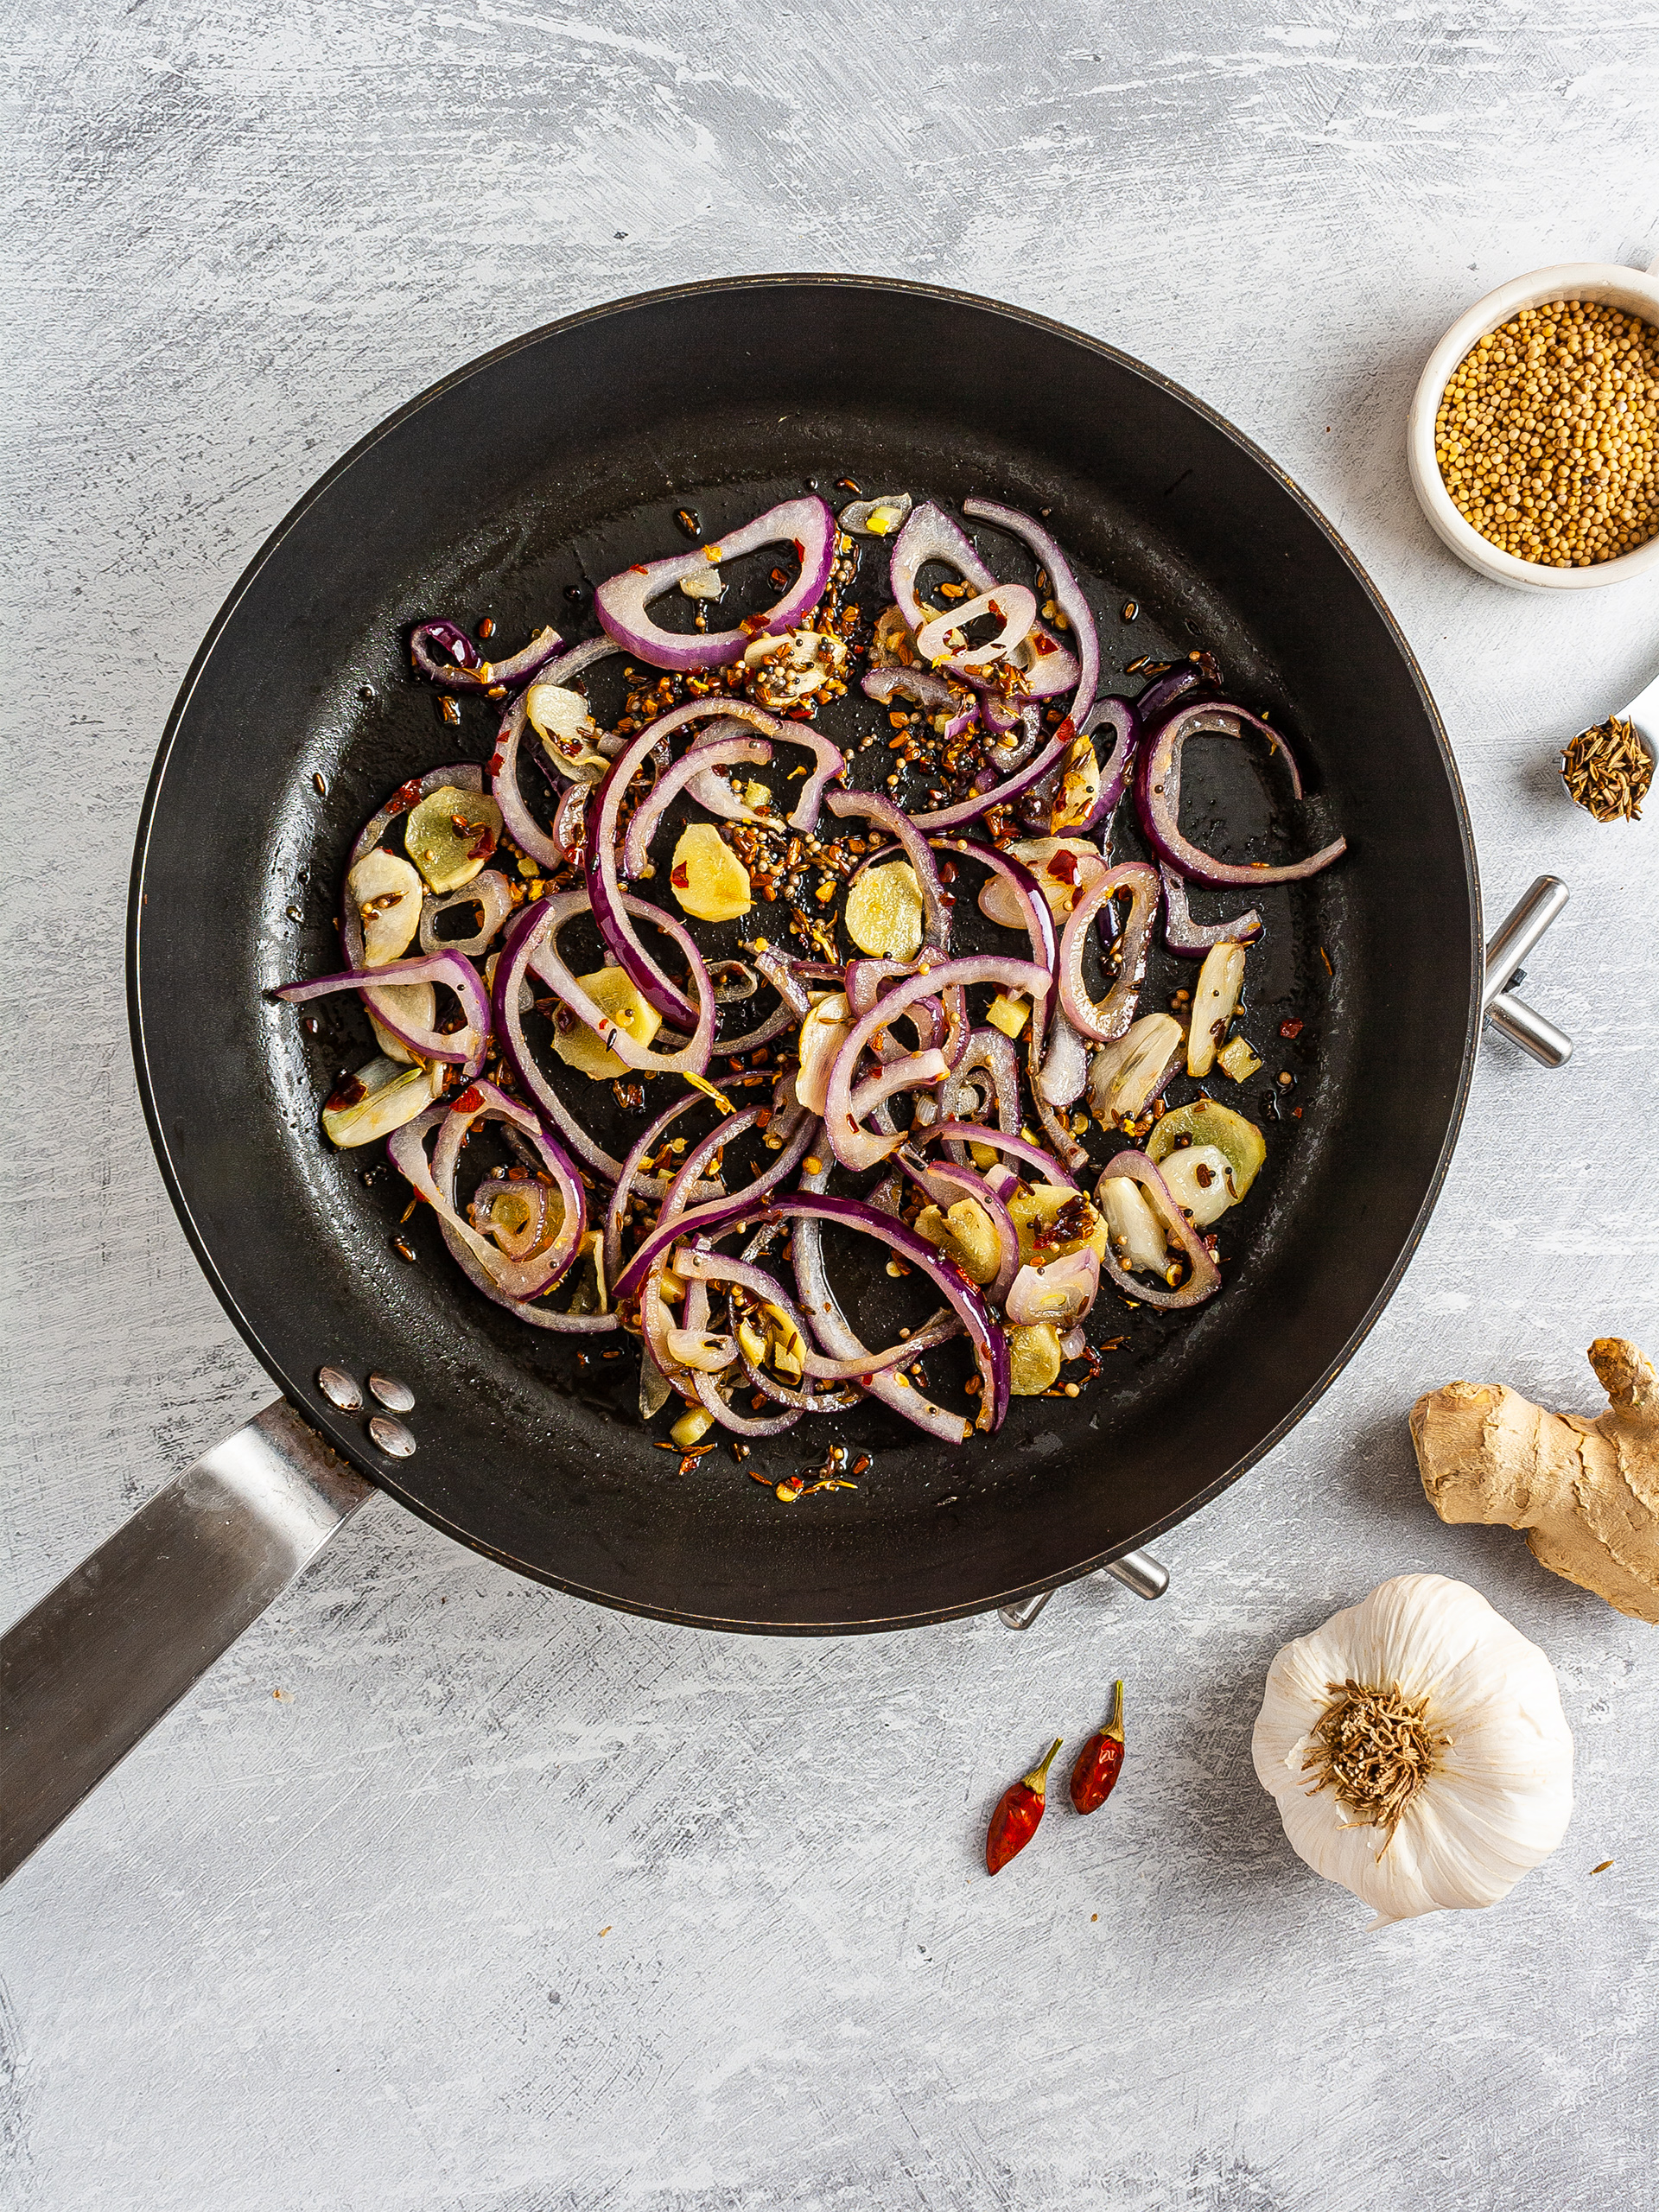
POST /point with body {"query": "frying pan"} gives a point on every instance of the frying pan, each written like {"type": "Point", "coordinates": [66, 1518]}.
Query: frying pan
{"type": "Point", "coordinates": [512, 486]}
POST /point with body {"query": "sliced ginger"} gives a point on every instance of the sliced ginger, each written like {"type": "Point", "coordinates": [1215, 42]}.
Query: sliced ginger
{"type": "Point", "coordinates": [707, 877]}
{"type": "Point", "coordinates": [883, 913]}
{"type": "Point", "coordinates": [579, 1047]}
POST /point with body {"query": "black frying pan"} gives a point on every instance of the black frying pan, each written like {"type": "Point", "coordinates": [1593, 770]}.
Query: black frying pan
{"type": "Point", "coordinates": [558, 459]}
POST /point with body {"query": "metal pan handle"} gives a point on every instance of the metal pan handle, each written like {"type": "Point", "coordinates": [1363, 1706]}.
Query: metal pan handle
{"type": "Point", "coordinates": [104, 1656]}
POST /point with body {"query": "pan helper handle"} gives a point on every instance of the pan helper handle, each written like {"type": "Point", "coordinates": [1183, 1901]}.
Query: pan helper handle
{"type": "Point", "coordinates": [104, 1656]}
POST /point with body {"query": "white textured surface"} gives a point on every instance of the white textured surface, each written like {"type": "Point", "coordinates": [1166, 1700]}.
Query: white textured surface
{"type": "Point", "coordinates": [349, 1948]}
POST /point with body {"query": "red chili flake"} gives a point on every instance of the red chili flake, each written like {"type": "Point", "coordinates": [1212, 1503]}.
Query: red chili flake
{"type": "Point", "coordinates": [1291, 1028]}
{"type": "Point", "coordinates": [1099, 1764]}
{"type": "Point", "coordinates": [679, 878]}
{"type": "Point", "coordinates": [1062, 867]}
{"type": "Point", "coordinates": [349, 1093]}
{"type": "Point", "coordinates": [1019, 1811]}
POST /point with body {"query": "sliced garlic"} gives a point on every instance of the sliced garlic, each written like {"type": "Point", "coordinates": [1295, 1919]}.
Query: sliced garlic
{"type": "Point", "coordinates": [380, 1099]}
{"type": "Point", "coordinates": [1135, 1233]}
{"type": "Point", "coordinates": [967, 1232]}
{"type": "Point", "coordinates": [1062, 866]}
{"type": "Point", "coordinates": [1200, 1180]}
{"type": "Point", "coordinates": [1215, 1001]}
{"type": "Point", "coordinates": [883, 913]}
{"type": "Point", "coordinates": [707, 877]}
{"type": "Point", "coordinates": [387, 894]}
{"type": "Point", "coordinates": [704, 583]}
{"type": "Point", "coordinates": [415, 1005]}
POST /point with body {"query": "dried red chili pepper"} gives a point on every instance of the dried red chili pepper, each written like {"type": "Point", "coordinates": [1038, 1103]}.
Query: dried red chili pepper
{"type": "Point", "coordinates": [1018, 1811]}
{"type": "Point", "coordinates": [1097, 1765]}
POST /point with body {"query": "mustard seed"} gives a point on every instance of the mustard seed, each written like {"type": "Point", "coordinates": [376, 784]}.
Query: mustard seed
{"type": "Point", "coordinates": [1546, 432]}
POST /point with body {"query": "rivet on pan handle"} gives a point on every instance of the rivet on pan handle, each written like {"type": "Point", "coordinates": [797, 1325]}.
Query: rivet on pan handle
{"type": "Point", "coordinates": [88, 1673]}
{"type": "Point", "coordinates": [1518, 933]}
{"type": "Point", "coordinates": [1138, 1571]}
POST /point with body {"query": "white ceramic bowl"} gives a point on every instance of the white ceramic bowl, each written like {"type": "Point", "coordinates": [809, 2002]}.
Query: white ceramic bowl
{"type": "Point", "coordinates": [1599, 281]}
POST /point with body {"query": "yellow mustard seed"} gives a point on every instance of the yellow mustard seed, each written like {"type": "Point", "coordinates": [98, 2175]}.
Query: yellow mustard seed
{"type": "Point", "coordinates": [1547, 434]}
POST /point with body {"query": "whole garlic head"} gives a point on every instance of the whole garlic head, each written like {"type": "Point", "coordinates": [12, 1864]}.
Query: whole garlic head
{"type": "Point", "coordinates": [1416, 1749]}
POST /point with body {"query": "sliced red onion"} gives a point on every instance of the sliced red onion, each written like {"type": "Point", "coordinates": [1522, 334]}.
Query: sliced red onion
{"type": "Point", "coordinates": [1119, 716]}
{"type": "Point", "coordinates": [993, 1051]}
{"type": "Point", "coordinates": [1022, 886]}
{"type": "Point", "coordinates": [1193, 939]}
{"type": "Point", "coordinates": [1158, 800]}
{"type": "Point", "coordinates": [963, 811]}
{"type": "Point", "coordinates": [1059, 1293]}
{"type": "Point", "coordinates": [1112, 1016]}
{"type": "Point", "coordinates": [461, 1047]}
{"type": "Point", "coordinates": [549, 917]}
{"type": "Point", "coordinates": [711, 791]}
{"type": "Point", "coordinates": [462, 775]}
{"type": "Point", "coordinates": [579, 659]}
{"type": "Point", "coordinates": [521, 824]}
{"type": "Point", "coordinates": [1016, 1146]}
{"type": "Point", "coordinates": [537, 1316]}
{"type": "Point", "coordinates": [490, 891]}
{"type": "Point", "coordinates": [1167, 691]}
{"type": "Point", "coordinates": [929, 535]}
{"type": "Point", "coordinates": [601, 853]}
{"type": "Point", "coordinates": [1203, 1276]}
{"type": "Point", "coordinates": [1063, 584]}
{"type": "Point", "coordinates": [912, 1071]}
{"type": "Point", "coordinates": [810, 1204]}
{"type": "Point", "coordinates": [945, 1183]}
{"type": "Point", "coordinates": [857, 1148]}
{"type": "Point", "coordinates": [714, 1267]}
{"type": "Point", "coordinates": [930, 692]}
{"type": "Point", "coordinates": [690, 768]}
{"type": "Point", "coordinates": [621, 601]}
{"type": "Point", "coordinates": [783, 973]}
{"type": "Point", "coordinates": [465, 669]}
{"type": "Point", "coordinates": [570, 825]}
{"type": "Point", "coordinates": [1074, 1343]}
{"type": "Point", "coordinates": [630, 1181]}
{"type": "Point", "coordinates": [1014, 606]}
{"type": "Point", "coordinates": [518, 1279]}
{"type": "Point", "coordinates": [830, 1325]}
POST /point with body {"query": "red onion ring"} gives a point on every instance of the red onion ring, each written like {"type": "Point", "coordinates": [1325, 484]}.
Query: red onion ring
{"type": "Point", "coordinates": [621, 600]}
{"type": "Point", "coordinates": [1193, 939]}
{"type": "Point", "coordinates": [1112, 1016]}
{"type": "Point", "coordinates": [1063, 584]}
{"type": "Point", "coordinates": [1204, 1279]}
{"type": "Point", "coordinates": [928, 535]}
{"type": "Point", "coordinates": [466, 668]}
{"type": "Point", "coordinates": [521, 824]}
{"type": "Point", "coordinates": [1014, 607]}
{"type": "Point", "coordinates": [549, 916]}
{"type": "Point", "coordinates": [858, 1148]}
{"type": "Point", "coordinates": [1158, 800]}
{"type": "Point", "coordinates": [721, 753]}
{"type": "Point", "coordinates": [464, 1047]}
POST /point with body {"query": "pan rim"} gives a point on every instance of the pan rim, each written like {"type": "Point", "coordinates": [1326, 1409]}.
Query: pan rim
{"type": "Point", "coordinates": [345, 1439]}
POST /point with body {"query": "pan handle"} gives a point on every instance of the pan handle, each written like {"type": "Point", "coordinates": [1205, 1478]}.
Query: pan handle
{"type": "Point", "coordinates": [104, 1656]}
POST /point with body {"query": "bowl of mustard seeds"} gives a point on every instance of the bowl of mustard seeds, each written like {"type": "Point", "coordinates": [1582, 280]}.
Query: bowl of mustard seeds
{"type": "Point", "coordinates": [1533, 439]}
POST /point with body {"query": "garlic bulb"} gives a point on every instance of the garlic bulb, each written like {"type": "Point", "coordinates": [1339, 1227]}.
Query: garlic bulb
{"type": "Point", "coordinates": [1416, 1749]}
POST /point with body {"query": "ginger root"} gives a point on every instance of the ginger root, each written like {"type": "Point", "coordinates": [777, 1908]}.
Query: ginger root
{"type": "Point", "coordinates": [1587, 1492]}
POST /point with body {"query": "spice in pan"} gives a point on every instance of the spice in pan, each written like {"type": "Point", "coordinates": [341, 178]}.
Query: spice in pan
{"type": "Point", "coordinates": [1097, 1765]}
{"type": "Point", "coordinates": [1607, 771]}
{"type": "Point", "coordinates": [1545, 434]}
{"type": "Point", "coordinates": [1019, 1810]}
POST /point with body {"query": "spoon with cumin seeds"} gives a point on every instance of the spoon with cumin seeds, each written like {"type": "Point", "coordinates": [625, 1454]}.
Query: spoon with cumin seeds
{"type": "Point", "coordinates": [1607, 770]}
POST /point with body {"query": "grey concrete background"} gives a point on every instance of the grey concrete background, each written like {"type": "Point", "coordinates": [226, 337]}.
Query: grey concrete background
{"type": "Point", "coordinates": [505, 1902]}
